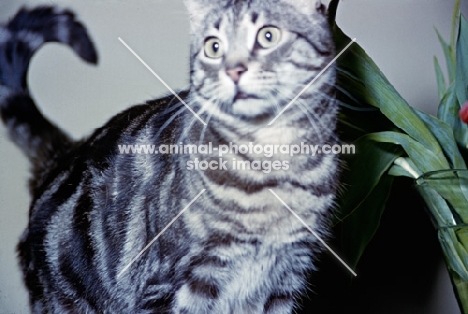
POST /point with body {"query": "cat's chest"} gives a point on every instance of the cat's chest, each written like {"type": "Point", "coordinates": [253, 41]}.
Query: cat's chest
{"type": "Point", "coordinates": [251, 242]}
{"type": "Point", "coordinates": [253, 273]}
{"type": "Point", "coordinates": [256, 271]}
{"type": "Point", "coordinates": [270, 221]}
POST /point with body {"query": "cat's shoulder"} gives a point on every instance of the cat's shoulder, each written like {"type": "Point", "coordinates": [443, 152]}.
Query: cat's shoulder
{"type": "Point", "coordinates": [131, 121]}
{"type": "Point", "coordinates": [129, 127]}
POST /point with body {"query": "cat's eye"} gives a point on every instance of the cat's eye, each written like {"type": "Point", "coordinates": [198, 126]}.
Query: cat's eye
{"type": "Point", "coordinates": [213, 48]}
{"type": "Point", "coordinates": [268, 37]}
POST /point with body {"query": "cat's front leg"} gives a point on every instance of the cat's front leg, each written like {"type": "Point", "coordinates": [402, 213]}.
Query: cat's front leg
{"type": "Point", "coordinates": [287, 279]}
{"type": "Point", "coordinates": [279, 304]}
{"type": "Point", "coordinates": [201, 288]}
{"type": "Point", "coordinates": [195, 300]}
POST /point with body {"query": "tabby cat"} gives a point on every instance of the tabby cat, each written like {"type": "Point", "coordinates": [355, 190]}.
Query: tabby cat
{"type": "Point", "coordinates": [236, 248]}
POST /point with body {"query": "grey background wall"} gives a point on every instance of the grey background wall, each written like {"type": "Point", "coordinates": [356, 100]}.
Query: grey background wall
{"type": "Point", "coordinates": [397, 34]}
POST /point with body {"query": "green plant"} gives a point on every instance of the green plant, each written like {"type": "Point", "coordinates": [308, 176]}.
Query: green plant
{"type": "Point", "coordinates": [394, 139]}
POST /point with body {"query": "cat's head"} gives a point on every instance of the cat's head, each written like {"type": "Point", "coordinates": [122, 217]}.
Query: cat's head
{"type": "Point", "coordinates": [250, 58]}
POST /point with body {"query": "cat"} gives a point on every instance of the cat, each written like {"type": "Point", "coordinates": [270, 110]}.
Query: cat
{"type": "Point", "coordinates": [103, 235]}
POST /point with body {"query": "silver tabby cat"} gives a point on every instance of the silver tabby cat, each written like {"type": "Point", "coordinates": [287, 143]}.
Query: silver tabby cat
{"type": "Point", "coordinates": [236, 248]}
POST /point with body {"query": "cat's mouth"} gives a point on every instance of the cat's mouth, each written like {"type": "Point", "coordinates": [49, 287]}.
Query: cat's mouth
{"type": "Point", "coordinates": [243, 96]}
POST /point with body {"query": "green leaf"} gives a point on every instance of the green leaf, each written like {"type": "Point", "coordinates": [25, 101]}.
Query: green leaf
{"type": "Point", "coordinates": [454, 251]}
{"type": "Point", "coordinates": [449, 107]}
{"type": "Point", "coordinates": [445, 196]}
{"type": "Point", "coordinates": [332, 8]}
{"type": "Point", "coordinates": [444, 134]}
{"type": "Point", "coordinates": [448, 112]}
{"type": "Point", "coordinates": [461, 78]}
{"type": "Point", "coordinates": [370, 86]}
{"type": "Point", "coordinates": [361, 176]}
{"type": "Point", "coordinates": [398, 171]}
{"type": "Point", "coordinates": [440, 211]}
{"type": "Point", "coordinates": [360, 227]}
{"type": "Point", "coordinates": [441, 87]}
{"type": "Point", "coordinates": [455, 19]}
{"type": "Point", "coordinates": [449, 57]}
{"type": "Point", "coordinates": [425, 159]}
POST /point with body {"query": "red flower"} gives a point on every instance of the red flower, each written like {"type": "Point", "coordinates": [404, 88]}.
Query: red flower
{"type": "Point", "coordinates": [463, 113]}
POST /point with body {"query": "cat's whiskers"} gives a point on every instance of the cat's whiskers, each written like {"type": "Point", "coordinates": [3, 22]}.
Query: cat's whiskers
{"type": "Point", "coordinates": [170, 107]}
{"type": "Point", "coordinates": [207, 89]}
{"type": "Point", "coordinates": [311, 116]}
{"type": "Point", "coordinates": [202, 134]}
{"type": "Point", "coordinates": [313, 120]}
{"type": "Point", "coordinates": [317, 119]}
{"type": "Point", "coordinates": [166, 124]}
{"type": "Point", "coordinates": [205, 106]}
{"type": "Point", "coordinates": [274, 100]}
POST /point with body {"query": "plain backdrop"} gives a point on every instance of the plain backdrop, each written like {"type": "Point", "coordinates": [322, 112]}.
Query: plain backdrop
{"type": "Point", "coordinates": [398, 34]}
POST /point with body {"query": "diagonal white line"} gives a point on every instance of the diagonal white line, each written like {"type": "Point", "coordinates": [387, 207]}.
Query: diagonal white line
{"type": "Point", "coordinates": [161, 80]}
{"type": "Point", "coordinates": [312, 231]}
{"type": "Point", "coordinates": [159, 234]}
{"type": "Point", "coordinates": [311, 82]}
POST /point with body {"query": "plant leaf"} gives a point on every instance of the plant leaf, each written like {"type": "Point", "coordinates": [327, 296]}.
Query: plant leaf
{"type": "Point", "coordinates": [449, 57]}
{"type": "Point", "coordinates": [398, 171]}
{"type": "Point", "coordinates": [455, 19]}
{"type": "Point", "coordinates": [441, 87]}
{"type": "Point", "coordinates": [448, 112]}
{"type": "Point", "coordinates": [461, 78]}
{"type": "Point", "coordinates": [370, 86]}
{"type": "Point", "coordinates": [445, 137]}
{"type": "Point", "coordinates": [361, 176]}
{"type": "Point", "coordinates": [360, 227]}
{"type": "Point", "coordinates": [449, 107]}
{"type": "Point", "coordinates": [422, 157]}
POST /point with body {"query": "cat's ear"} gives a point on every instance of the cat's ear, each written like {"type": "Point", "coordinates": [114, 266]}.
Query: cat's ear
{"type": "Point", "coordinates": [197, 11]}
{"type": "Point", "coordinates": [307, 6]}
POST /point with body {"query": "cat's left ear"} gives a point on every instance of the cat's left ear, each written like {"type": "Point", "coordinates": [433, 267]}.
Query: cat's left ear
{"type": "Point", "coordinates": [307, 6]}
{"type": "Point", "coordinates": [197, 11]}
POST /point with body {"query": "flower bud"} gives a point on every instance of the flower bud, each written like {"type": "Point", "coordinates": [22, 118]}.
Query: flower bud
{"type": "Point", "coordinates": [463, 113]}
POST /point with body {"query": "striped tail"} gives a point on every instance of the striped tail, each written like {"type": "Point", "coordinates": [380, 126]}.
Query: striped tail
{"type": "Point", "coordinates": [20, 38]}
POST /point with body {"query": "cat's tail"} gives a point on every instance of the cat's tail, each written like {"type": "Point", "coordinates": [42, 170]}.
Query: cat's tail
{"type": "Point", "coordinates": [20, 38]}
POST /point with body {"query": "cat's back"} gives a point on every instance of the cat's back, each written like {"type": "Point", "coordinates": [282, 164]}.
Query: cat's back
{"type": "Point", "coordinates": [109, 143]}
{"type": "Point", "coordinates": [79, 215]}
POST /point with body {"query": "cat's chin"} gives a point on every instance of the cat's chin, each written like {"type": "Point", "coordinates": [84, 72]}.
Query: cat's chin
{"type": "Point", "coordinates": [251, 107]}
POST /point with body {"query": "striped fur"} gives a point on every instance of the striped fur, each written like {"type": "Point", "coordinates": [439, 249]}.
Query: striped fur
{"type": "Point", "coordinates": [236, 249]}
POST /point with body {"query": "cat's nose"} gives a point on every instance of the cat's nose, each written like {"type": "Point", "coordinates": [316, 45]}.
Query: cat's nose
{"type": "Point", "coordinates": [236, 72]}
